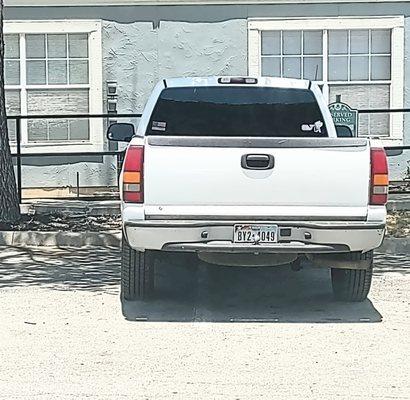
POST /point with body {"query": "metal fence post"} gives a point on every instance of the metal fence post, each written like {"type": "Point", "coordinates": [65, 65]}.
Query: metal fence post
{"type": "Point", "coordinates": [18, 140]}
{"type": "Point", "coordinates": [120, 160]}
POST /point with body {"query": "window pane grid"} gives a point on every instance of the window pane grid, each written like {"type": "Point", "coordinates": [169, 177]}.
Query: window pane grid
{"type": "Point", "coordinates": [12, 59]}
{"type": "Point", "coordinates": [346, 54]}
{"type": "Point", "coordinates": [45, 66]}
{"type": "Point", "coordinates": [355, 63]}
{"type": "Point", "coordinates": [12, 98]}
{"type": "Point", "coordinates": [51, 101]}
{"type": "Point", "coordinates": [48, 69]}
{"type": "Point", "coordinates": [296, 56]}
{"type": "Point", "coordinates": [378, 68]}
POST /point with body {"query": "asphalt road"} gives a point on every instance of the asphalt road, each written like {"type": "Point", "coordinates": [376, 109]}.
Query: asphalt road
{"type": "Point", "coordinates": [209, 334]}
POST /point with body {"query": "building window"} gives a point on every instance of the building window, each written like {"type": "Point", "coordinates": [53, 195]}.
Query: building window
{"type": "Point", "coordinates": [53, 73]}
{"type": "Point", "coordinates": [363, 66]}
{"type": "Point", "coordinates": [292, 54]}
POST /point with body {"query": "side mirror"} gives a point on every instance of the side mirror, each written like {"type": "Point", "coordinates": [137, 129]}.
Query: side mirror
{"type": "Point", "coordinates": [343, 131]}
{"type": "Point", "coordinates": [121, 132]}
{"type": "Point", "coordinates": [393, 152]}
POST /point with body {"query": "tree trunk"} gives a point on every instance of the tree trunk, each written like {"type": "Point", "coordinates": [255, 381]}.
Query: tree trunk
{"type": "Point", "coordinates": [9, 202]}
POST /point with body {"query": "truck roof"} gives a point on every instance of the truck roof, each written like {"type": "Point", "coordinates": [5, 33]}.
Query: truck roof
{"type": "Point", "coordinates": [215, 81]}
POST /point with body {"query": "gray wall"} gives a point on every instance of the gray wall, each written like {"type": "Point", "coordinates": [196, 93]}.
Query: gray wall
{"type": "Point", "coordinates": [208, 13]}
{"type": "Point", "coordinates": [58, 171]}
{"type": "Point", "coordinates": [138, 56]}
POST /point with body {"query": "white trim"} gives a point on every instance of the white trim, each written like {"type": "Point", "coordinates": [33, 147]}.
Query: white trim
{"type": "Point", "coordinates": [387, 22]}
{"type": "Point", "coordinates": [56, 87]}
{"type": "Point", "coordinates": [397, 79]}
{"type": "Point", "coordinates": [58, 3]}
{"type": "Point", "coordinates": [325, 65]}
{"type": "Point", "coordinates": [54, 26]}
{"type": "Point", "coordinates": [56, 147]}
{"type": "Point", "coordinates": [254, 52]}
{"type": "Point", "coordinates": [23, 91]}
{"type": "Point", "coordinates": [95, 86]}
{"type": "Point", "coordinates": [395, 23]}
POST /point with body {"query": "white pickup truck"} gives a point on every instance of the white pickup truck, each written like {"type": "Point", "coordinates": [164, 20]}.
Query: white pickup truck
{"type": "Point", "coordinates": [249, 171]}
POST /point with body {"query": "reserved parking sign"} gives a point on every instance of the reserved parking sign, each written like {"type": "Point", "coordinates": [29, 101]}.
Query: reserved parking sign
{"type": "Point", "coordinates": [343, 114]}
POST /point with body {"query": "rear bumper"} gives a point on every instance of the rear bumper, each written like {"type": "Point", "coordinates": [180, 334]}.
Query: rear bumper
{"type": "Point", "coordinates": [217, 236]}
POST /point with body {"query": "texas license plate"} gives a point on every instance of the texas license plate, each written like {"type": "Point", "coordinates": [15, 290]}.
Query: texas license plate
{"type": "Point", "coordinates": [255, 233]}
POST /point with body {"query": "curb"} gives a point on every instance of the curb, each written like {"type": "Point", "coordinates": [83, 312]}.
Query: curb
{"type": "Point", "coordinates": [60, 239]}
{"type": "Point", "coordinates": [398, 205]}
{"type": "Point", "coordinates": [390, 245]}
{"type": "Point", "coordinates": [73, 207]}
{"type": "Point", "coordinates": [393, 245]}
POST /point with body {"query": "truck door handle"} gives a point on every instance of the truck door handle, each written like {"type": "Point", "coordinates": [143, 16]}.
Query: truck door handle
{"type": "Point", "coordinates": [257, 161]}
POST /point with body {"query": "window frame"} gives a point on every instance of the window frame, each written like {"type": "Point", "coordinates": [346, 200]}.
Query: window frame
{"type": "Point", "coordinates": [95, 86]}
{"type": "Point", "coordinates": [396, 82]}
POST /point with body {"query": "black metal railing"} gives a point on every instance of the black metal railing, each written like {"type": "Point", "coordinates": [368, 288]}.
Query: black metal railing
{"type": "Point", "coordinates": [387, 111]}
{"type": "Point", "coordinates": [119, 154]}
{"type": "Point", "coordinates": [19, 155]}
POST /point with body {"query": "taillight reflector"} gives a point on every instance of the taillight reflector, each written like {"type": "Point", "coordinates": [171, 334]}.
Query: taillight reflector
{"type": "Point", "coordinates": [132, 178]}
{"type": "Point", "coordinates": [379, 180]}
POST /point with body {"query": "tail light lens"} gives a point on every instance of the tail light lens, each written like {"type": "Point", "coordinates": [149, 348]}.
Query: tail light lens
{"type": "Point", "coordinates": [379, 184]}
{"type": "Point", "coordinates": [133, 175]}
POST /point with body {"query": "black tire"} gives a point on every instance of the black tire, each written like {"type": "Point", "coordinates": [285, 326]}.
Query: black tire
{"type": "Point", "coordinates": [353, 285]}
{"type": "Point", "coordinates": [137, 273]}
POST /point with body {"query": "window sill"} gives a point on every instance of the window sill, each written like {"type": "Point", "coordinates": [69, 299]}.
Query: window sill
{"type": "Point", "coordinates": [58, 147]}
{"type": "Point", "coordinates": [386, 141]}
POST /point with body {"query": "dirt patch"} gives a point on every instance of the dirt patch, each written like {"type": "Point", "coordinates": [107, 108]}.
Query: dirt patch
{"type": "Point", "coordinates": [398, 223]}
{"type": "Point", "coordinates": [58, 223]}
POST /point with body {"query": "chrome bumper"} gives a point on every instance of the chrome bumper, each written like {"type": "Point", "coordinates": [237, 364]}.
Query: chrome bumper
{"type": "Point", "coordinates": [217, 236]}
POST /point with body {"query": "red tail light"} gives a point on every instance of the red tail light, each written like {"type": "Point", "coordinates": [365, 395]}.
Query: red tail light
{"type": "Point", "coordinates": [379, 180]}
{"type": "Point", "coordinates": [133, 175]}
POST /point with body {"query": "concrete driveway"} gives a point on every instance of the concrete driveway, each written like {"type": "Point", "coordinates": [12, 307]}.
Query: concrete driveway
{"type": "Point", "coordinates": [210, 333]}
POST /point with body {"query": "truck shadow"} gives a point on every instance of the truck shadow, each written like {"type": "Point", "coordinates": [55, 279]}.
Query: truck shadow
{"type": "Point", "coordinates": [206, 293]}
{"type": "Point", "coordinates": [195, 291]}
{"type": "Point", "coordinates": [90, 269]}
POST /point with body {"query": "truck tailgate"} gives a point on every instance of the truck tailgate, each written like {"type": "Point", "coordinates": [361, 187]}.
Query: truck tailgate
{"type": "Point", "coordinates": [310, 179]}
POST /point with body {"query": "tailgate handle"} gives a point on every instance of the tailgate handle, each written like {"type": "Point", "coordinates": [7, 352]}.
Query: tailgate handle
{"type": "Point", "coordinates": [257, 161]}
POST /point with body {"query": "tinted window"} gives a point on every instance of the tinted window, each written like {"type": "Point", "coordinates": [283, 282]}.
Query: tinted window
{"type": "Point", "coordinates": [237, 111]}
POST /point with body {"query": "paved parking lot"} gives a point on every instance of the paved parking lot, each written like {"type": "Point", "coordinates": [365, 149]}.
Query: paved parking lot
{"type": "Point", "coordinates": [210, 333]}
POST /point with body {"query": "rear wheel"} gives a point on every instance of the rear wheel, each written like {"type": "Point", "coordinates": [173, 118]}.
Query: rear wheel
{"type": "Point", "coordinates": [353, 284]}
{"type": "Point", "coordinates": [137, 273]}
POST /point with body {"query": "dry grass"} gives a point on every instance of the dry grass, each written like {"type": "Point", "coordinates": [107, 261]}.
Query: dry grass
{"type": "Point", "coordinates": [398, 224]}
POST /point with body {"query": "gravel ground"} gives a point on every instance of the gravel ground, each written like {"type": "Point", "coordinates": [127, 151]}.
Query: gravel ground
{"type": "Point", "coordinates": [210, 333]}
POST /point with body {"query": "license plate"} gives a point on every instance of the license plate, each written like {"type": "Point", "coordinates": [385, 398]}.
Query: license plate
{"type": "Point", "coordinates": [255, 233]}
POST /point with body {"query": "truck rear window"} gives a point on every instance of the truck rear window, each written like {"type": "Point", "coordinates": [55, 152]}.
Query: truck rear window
{"type": "Point", "coordinates": [237, 111]}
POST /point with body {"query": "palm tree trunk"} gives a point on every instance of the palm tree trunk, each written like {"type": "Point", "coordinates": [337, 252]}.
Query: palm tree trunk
{"type": "Point", "coordinates": [9, 202]}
